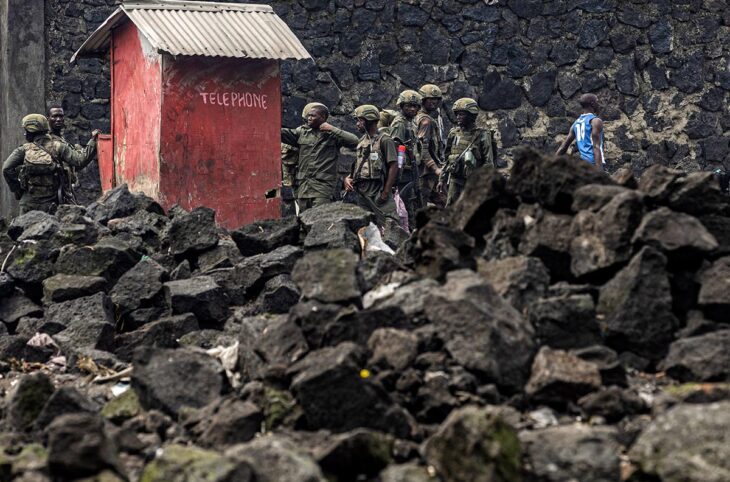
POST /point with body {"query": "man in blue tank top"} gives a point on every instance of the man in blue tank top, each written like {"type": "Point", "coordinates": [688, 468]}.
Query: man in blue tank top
{"type": "Point", "coordinates": [587, 132]}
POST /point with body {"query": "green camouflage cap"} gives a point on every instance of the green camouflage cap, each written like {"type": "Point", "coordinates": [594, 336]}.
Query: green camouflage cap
{"type": "Point", "coordinates": [467, 104]}
{"type": "Point", "coordinates": [367, 112]}
{"type": "Point", "coordinates": [36, 123]}
{"type": "Point", "coordinates": [430, 91]}
{"type": "Point", "coordinates": [309, 106]}
{"type": "Point", "coordinates": [409, 97]}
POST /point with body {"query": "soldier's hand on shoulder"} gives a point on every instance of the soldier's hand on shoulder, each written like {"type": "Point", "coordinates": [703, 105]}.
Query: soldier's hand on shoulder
{"type": "Point", "coordinates": [326, 127]}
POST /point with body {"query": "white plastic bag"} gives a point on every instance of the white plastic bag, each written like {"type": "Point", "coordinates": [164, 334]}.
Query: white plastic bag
{"type": "Point", "coordinates": [372, 240]}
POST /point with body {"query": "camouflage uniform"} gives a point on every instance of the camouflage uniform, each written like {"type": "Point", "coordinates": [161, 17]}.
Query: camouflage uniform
{"type": "Point", "coordinates": [403, 132]}
{"type": "Point", "coordinates": [431, 135]}
{"type": "Point", "coordinates": [374, 155]}
{"type": "Point", "coordinates": [71, 177]}
{"type": "Point", "coordinates": [317, 167]}
{"type": "Point", "coordinates": [466, 150]}
{"type": "Point", "coordinates": [39, 188]}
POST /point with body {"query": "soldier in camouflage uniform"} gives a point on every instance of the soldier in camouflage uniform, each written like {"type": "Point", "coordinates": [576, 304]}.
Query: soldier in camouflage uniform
{"type": "Point", "coordinates": [430, 131]}
{"type": "Point", "coordinates": [403, 132]}
{"type": "Point", "coordinates": [467, 148]}
{"type": "Point", "coordinates": [34, 171]}
{"type": "Point", "coordinates": [57, 122]}
{"type": "Point", "coordinates": [375, 170]}
{"type": "Point", "coordinates": [319, 143]}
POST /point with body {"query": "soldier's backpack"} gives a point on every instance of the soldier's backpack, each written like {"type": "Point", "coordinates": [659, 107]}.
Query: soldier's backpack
{"type": "Point", "coordinates": [39, 168]}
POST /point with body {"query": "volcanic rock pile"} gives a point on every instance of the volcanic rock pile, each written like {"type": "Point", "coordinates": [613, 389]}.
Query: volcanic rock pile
{"type": "Point", "coordinates": [557, 325]}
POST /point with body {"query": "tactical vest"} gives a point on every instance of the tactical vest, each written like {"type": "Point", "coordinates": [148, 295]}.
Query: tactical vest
{"type": "Point", "coordinates": [40, 171]}
{"type": "Point", "coordinates": [369, 162]}
{"type": "Point", "coordinates": [463, 163]}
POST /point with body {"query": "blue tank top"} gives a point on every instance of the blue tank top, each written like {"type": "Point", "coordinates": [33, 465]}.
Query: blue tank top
{"type": "Point", "coordinates": [582, 130]}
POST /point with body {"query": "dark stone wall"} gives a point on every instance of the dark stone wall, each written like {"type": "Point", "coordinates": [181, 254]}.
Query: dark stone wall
{"type": "Point", "coordinates": [82, 89]}
{"type": "Point", "coordinates": [22, 78]}
{"type": "Point", "coordinates": [660, 67]}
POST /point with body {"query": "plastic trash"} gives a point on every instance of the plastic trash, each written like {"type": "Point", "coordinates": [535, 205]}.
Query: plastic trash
{"type": "Point", "coordinates": [400, 208]}
{"type": "Point", "coordinates": [371, 240]}
{"type": "Point", "coordinates": [120, 388]}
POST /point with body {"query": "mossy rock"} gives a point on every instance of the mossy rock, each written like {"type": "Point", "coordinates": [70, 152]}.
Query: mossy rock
{"type": "Point", "coordinates": [475, 445]}
{"type": "Point", "coordinates": [106, 476]}
{"type": "Point", "coordinates": [280, 408]}
{"type": "Point", "coordinates": [28, 399]}
{"type": "Point", "coordinates": [186, 464]}
{"type": "Point", "coordinates": [122, 408]}
{"type": "Point", "coordinates": [31, 457]}
{"type": "Point", "coordinates": [699, 391]}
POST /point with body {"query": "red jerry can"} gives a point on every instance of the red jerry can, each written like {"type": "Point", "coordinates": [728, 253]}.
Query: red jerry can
{"type": "Point", "coordinates": [196, 104]}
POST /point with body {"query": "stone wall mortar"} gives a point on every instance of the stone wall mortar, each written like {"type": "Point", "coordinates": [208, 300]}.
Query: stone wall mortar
{"type": "Point", "coordinates": [661, 68]}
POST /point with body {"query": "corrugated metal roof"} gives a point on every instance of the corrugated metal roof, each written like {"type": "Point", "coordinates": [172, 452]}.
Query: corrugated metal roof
{"type": "Point", "coordinates": [203, 28]}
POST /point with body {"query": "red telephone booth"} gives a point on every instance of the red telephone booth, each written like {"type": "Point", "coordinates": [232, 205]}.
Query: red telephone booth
{"type": "Point", "coordinates": [196, 104]}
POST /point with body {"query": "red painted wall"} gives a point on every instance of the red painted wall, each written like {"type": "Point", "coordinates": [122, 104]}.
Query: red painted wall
{"type": "Point", "coordinates": [136, 100]}
{"type": "Point", "coordinates": [105, 156]}
{"type": "Point", "coordinates": [221, 136]}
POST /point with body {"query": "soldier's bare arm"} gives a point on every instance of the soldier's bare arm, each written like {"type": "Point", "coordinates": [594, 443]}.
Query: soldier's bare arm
{"type": "Point", "coordinates": [424, 130]}
{"type": "Point", "coordinates": [596, 130]}
{"type": "Point", "coordinates": [566, 143]}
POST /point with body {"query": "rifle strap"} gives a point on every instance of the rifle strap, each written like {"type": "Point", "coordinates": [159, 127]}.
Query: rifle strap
{"type": "Point", "coordinates": [356, 175]}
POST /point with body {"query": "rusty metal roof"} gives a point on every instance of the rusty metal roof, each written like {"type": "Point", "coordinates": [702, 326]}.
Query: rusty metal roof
{"type": "Point", "coordinates": [203, 28]}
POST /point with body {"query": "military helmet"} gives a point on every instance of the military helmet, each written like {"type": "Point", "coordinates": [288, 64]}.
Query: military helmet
{"type": "Point", "coordinates": [309, 106]}
{"type": "Point", "coordinates": [467, 104]}
{"type": "Point", "coordinates": [36, 123]}
{"type": "Point", "coordinates": [430, 91]}
{"type": "Point", "coordinates": [386, 117]}
{"type": "Point", "coordinates": [409, 97]}
{"type": "Point", "coordinates": [367, 112]}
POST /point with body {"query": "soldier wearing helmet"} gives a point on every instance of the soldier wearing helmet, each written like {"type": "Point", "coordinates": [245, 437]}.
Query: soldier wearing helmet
{"type": "Point", "coordinates": [319, 143]}
{"type": "Point", "coordinates": [467, 148]}
{"type": "Point", "coordinates": [403, 132]}
{"type": "Point", "coordinates": [35, 171]}
{"type": "Point", "coordinates": [430, 131]}
{"type": "Point", "coordinates": [375, 170]}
